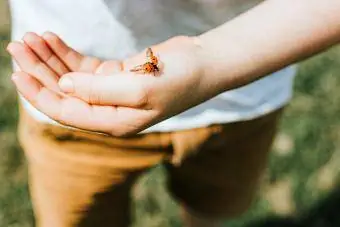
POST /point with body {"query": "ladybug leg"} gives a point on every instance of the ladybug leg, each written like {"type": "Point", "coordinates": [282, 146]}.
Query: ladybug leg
{"type": "Point", "coordinates": [156, 69]}
{"type": "Point", "coordinates": [138, 68]}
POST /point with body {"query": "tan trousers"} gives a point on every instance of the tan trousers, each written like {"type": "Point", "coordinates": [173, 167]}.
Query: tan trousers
{"type": "Point", "coordinates": [83, 179]}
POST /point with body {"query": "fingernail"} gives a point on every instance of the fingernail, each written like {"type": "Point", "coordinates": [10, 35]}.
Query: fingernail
{"type": "Point", "coordinates": [29, 36]}
{"type": "Point", "coordinates": [14, 77]}
{"type": "Point", "coordinates": [66, 85]}
{"type": "Point", "coordinates": [9, 47]}
{"type": "Point", "coordinates": [48, 34]}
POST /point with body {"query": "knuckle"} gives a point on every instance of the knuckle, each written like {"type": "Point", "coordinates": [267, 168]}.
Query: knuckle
{"type": "Point", "coordinates": [49, 57]}
{"type": "Point", "coordinates": [28, 35]}
{"type": "Point", "coordinates": [50, 36]}
{"type": "Point", "coordinates": [40, 69]}
{"type": "Point", "coordinates": [38, 42]}
{"type": "Point", "coordinates": [141, 97]}
{"type": "Point", "coordinates": [93, 97]}
{"type": "Point", "coordinates": [84, 88]}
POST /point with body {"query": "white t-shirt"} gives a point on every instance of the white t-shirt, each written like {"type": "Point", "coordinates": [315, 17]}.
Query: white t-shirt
{"type": "Point", "coordinates": [115, 29]}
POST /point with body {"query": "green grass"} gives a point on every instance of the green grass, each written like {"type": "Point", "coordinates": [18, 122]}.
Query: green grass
{"type": "Point", "coordinates": [302, 168]}
{"type": "Point", "coordinates": [15, 207]}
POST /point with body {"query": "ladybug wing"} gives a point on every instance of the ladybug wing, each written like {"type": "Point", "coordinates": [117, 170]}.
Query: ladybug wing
{"type": "Point", "coordinates": [149, 54]}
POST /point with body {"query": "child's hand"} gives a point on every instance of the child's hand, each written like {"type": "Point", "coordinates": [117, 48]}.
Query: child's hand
{"type": "Point", "coordinates": [47, 58]}
{"type": "Point", "coordinates": [105, 96]}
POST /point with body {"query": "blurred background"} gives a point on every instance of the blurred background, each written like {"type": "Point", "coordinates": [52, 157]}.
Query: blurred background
{"type": "Point", "coordinates": [299, 189]}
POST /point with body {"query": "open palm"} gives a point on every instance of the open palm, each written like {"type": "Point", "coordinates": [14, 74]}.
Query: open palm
{"type": "Point", "coordinates": [105, 96]}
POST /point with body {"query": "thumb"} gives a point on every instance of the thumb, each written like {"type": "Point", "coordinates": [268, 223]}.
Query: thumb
{"type": "Point", "coordinates": [122, 89]}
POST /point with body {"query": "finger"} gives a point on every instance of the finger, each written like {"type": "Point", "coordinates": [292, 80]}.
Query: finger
{"type": "Point", "coordinates": [76, 113]}
{"type": "Point", "coordinates": [43, 51]}
{"type": "Point", "coordinates": [71, 58]}
{"type": "Point", "coordinates": [123, 89]}
{"type": "Point", "coordinates": [69, 111]}
{"type": "Point", "coordinates": [31, 64]}
{"type": "Point", "coordinates": [36, 93]}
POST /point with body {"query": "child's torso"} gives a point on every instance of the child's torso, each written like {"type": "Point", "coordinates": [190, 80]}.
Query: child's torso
{"type": "Point", "coordinates": [93, 26]}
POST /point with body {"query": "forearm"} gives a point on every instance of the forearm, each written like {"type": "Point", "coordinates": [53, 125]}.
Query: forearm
{"type": "Point", "coordinates": [267, 38]}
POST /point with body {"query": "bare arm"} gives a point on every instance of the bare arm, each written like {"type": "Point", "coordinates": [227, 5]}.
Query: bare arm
{"type": "Point", "coordinates": [269, 37]}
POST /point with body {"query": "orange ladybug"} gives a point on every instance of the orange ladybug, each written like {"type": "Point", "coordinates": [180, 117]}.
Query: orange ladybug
{"type": "Point", "coordinates": [150, 66]}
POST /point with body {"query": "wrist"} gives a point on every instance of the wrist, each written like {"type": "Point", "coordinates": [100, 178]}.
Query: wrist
{"type": "Point", "coordinates": [210, 83]}
{"type": "Point", "coordinates": [228, 62]}
{"type": "Point", "coordinates": [213, 65]}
